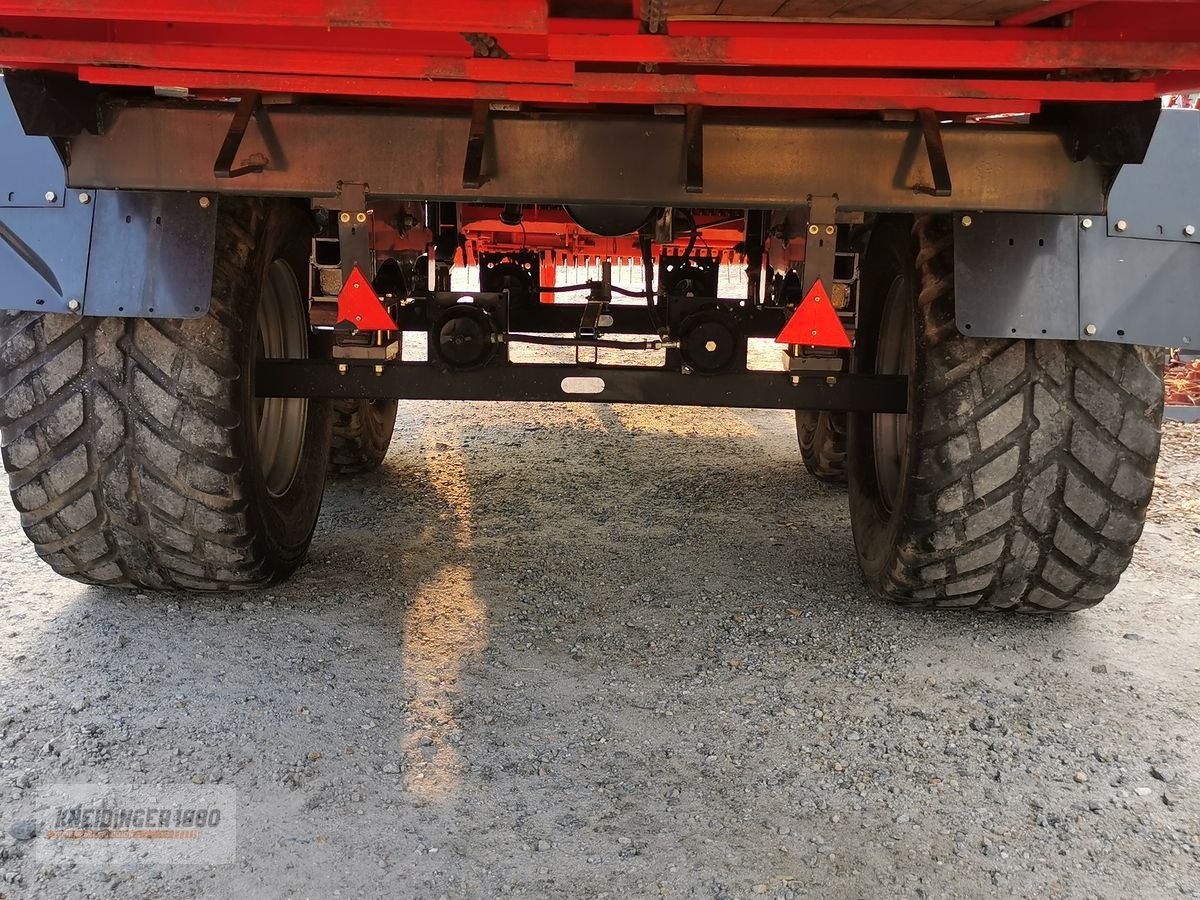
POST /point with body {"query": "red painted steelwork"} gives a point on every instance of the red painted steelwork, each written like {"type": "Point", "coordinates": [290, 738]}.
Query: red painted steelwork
{"type": "Point", "coordinates": [27, 53]}
{"type": "Point", "coordinates": [881, 47]}
{"type": "Point", "coordinates": [551, 231]}
{"type": "Point", "coordinates": [499, 16]}
{"type": "Point", "coordinates": [717, 90]}
{"type": "Point", "coordinates": [398, 50]}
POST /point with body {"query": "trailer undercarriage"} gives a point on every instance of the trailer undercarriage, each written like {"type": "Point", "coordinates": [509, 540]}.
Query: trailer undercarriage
{"type": "Point", "coordinates": [237, 236]}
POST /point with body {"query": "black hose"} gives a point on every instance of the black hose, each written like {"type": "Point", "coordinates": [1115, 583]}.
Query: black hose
{"type": "Point", "coordinates": [691, 244]}
{"type": "Point", "coordinates": [562, 288]}
{"type": "Point", "coordinates": [549, 341]}
{"type": "Point", "coordinates": [651, 299]}
{"type": "Point", "coordinates": [625, 292]}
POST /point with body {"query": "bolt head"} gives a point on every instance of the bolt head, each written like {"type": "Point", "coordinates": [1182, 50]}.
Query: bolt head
{"type": "Point", "coordinates": [967, 221]}
{"type": "Point", "coordinates": [85, 198]}
{"type": "Point", "coordinates": [1086, 224]}
{"type": "Point", "coordinates": [1121, 225]}
{"type": "Point", "coordinates": [361, 217]}
{"type": "Point", "coordinates": [205, 203]}
{"type": "Point", "coordinates": [344, 218]}
{"type": "Point", "coordinates": [814, 229]}
{"type": "Point", "coordinates": [51, 196]}
{"type": "Point", "coordinates": [1189, 230]}
{"type": "Point", "coordinates": [73, 305]}
{"type": "Point", "coordinates": [1090, 328]}
{"type": "Point", "coordinates": [830, 229]}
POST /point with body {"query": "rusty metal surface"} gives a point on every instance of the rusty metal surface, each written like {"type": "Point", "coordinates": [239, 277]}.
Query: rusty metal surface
{"type": "Point", "coordinates": [599, 159]}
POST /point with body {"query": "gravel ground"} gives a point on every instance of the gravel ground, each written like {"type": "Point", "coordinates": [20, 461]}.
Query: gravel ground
{"type": "Point", "coordinates": [599, 651]}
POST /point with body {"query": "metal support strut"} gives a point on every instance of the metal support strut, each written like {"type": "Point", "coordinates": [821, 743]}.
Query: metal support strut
{"type": "Point", "coordinates": [693, 140]}
{"type": "Point", "coordinates": [932, 130]}
{"type": "Point", "coordinates": [223, 167]}
{"type": "Point", "coordinates": [473, 179]}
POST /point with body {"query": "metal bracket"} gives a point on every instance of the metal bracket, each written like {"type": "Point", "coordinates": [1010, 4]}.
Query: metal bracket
{"type": "Point", "coordinates": [756, 239]}
{"type": "Point", "coordinates": [354, 243]}
{"type": "Point", "coordinates": [349, 196]}
{"type": "Point", "coordinates": [597, 305]}
{"type": "Point", "coordinates": [820, 242]}
{"type": "Point", "coordinates": [223, 167]}
{"type": "Point", "coordinates": [473, 179]}
{"type": "Point", "coordinates": [931, 128]}
{"type": "Point", "coordinates": [693, 148]}
{"type": "Point", "coordinates": [654, 16]}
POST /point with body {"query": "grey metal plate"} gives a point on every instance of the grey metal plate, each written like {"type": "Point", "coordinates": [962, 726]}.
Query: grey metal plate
{"type": "Point", "coordinates": [152, 255]}
{"type": "Point", "coordinates": [1159, 199]}
{"type": "Point", "coordinates": [1139, 291]}
{"type": "Point", "coordinates": [44, 256]}
{"type": "Point", "coordinates": [1182, 413]}
{"type": "Point", "coordinates": [1015, 275]}
{"type": "Point", "coordinates": [30, 167]}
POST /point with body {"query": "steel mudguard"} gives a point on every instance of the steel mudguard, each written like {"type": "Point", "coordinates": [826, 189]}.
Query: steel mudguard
{"type": "Point", "coordinates": [96, 252]}
{"type": "Point", "coordinates": [1129, 277]}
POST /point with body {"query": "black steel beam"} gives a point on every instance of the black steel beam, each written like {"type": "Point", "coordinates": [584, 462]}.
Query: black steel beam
{"type": "Point", "coordinates": [633, 159]}
{"type": "Point", "coordinates": [564, 318]}
{"type": "Point", "coordinates": [545, 383]}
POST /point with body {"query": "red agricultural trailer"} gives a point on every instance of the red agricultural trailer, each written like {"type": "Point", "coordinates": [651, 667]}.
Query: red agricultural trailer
{"type": "Point", "coordinates": [961, 222]}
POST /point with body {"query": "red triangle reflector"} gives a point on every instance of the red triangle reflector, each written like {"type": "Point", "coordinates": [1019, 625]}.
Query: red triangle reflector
{"type": "Point", "coordinates": [815, 322]}
{"type": "Point", "coordinates": [359, 305]}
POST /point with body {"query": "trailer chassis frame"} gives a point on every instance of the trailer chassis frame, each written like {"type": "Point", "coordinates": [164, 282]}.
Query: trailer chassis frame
{"type": "Point", "coordinates": [756, 161]}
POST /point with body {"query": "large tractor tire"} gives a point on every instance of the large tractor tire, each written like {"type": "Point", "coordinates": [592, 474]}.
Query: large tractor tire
{"type": "Point", "coordinates": [138, 454]}
{"type": "Point", "coordinates": [362, 431]}
{"type": "Point", "coordinates": [822, 438]}
{"type": "Point", "coordinates": [1020, 476]}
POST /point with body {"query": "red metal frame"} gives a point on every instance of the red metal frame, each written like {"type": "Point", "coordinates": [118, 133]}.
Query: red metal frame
{"type": "Point", "coordinates": [549, 230]}
{"type": "Point", "coordinates": [556, 239]}
{"type": "Point", "coordinates": [1117, 50]}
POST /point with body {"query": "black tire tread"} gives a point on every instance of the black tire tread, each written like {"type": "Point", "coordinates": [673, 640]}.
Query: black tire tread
{"type": "Point", "coordinates": [362, 432]}
{"type": "Point", "coordinates": [117, 435]}
{"type": "Point", "coordinates": [822, 438]}
{"type": "Point", "coordinates": [1034, 460]}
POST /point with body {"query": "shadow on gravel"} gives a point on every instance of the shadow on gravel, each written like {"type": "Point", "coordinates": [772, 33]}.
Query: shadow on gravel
{"type": "Point", "coordinates": [519, 634]}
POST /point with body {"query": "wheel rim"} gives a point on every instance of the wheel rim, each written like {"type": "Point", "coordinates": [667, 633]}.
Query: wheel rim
{"type": "Point", "coordinates": [893, 356]}
{"type": "Point", "coordinates": [282, 334]}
